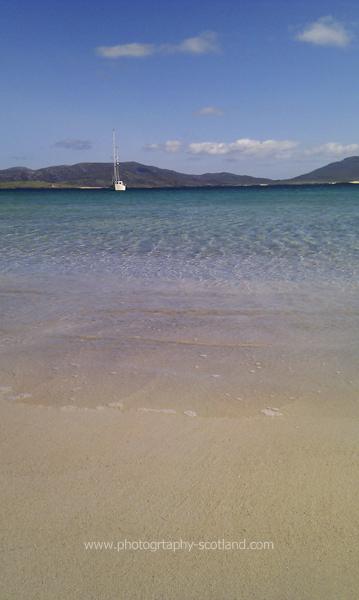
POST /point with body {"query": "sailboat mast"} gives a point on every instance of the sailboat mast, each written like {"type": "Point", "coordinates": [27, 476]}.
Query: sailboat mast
{"type": "Point", "coordinates": [114, 155]}
{"type": "Point", "coordinates": [118, 184]}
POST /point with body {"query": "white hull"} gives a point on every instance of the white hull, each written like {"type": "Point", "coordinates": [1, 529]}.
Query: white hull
{"type": "Point", "coordinates": [119, 186]}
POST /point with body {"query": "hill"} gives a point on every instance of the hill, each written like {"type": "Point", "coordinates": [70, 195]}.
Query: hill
{"type": "Point", "coordinates": [137, 175]}
{"type": "Point", "coordinates": [342, 171]}
{"type": "Point", "coordinates": [134, 174]}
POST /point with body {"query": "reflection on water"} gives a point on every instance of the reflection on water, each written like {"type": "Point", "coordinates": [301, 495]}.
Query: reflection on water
{"type": "Point", "coordinates": [215, 235]}
{"type": "Point", "coordinates": [220, 302]}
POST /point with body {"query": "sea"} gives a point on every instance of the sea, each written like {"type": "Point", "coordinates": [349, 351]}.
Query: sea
{"type": "Point", "coordinates": [223, 301]}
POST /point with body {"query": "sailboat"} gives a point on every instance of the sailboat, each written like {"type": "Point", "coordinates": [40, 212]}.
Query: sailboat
{"type": "Point", "coordinates": [118, 184]}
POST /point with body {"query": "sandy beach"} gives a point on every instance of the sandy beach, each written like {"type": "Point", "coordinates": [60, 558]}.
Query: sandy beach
{"type": "Point", "coordinates": [179, 396]}
{"type": "Point", "coordinates": [191, 423]}
{"type": "Point", "coordinates": [74, 476]}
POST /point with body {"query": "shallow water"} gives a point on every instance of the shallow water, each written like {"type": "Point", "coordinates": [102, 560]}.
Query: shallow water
{"type": "Point", "coordinates": [217, 301]}
{"type": "Point", "coordinates": [215, 235]}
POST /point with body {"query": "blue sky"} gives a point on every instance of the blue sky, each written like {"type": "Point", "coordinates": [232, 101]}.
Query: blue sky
{"type": "Point", "coordinates": [249, 86]}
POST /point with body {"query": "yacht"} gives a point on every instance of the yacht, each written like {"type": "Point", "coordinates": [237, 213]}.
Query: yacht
{"type": "Point", "coordinates": [118, 184]}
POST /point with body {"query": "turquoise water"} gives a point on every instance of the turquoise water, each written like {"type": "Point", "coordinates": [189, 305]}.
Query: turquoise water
{"type": "Point", "coordinates": [219, 235]}
{"type": "Point", "coordinates": [222, 301]}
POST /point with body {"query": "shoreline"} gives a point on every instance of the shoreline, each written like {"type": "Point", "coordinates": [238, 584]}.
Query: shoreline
{"type": "Point", "coordinates": [174, 370]}
{"type": "Point", "coordinates": [64, 187]}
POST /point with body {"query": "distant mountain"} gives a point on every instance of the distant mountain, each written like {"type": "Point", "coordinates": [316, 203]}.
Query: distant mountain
{"type": "Point", "coordinates": [341, 172]}
{"type": "Point", "coordinates": [143, 176]}
{"type": "Point", "coordinates": [134, 174]}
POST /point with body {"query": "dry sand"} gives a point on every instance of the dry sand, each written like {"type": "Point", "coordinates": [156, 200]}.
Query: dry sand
{"type": "Point", "coordinates": [76, 475]}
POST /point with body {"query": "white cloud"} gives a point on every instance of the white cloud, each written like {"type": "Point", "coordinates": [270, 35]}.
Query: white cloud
{"type": "Point", "coordinates": [325, 32]}
{"type": "Point", "coordinates": [333, 149]}
{"type": "Point", "coordinates": [170, 146]}
{"type": "Point", "coordinates": [125, 50]}
{"type": "Point", "coordinates": [210, 111]}
{"type": "Point", "coordinates": [204, 43]}
{"type": "Point", "coordinates": [246, 147]}
{"type": "Point", "coordinates": [257, 149]}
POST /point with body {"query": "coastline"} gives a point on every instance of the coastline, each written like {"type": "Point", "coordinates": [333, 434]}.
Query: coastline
{"type": "Point", "coordinates": [279, 185]}
{"type": "Point", "coordinates": [172, 370]}
{"type": "Point", "coordinates": [141, 176]}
